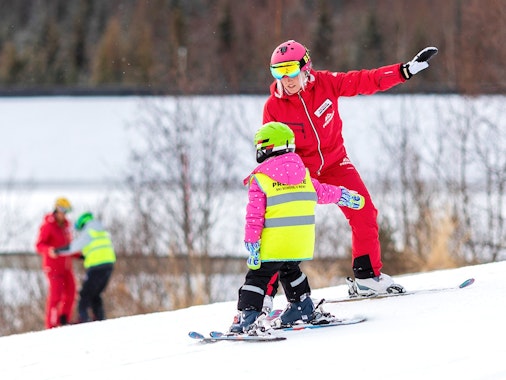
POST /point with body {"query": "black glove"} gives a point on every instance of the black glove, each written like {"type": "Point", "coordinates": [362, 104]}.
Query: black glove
{"type": "Point", "coordinates": [61, 249]}
{"type": "Point", "coordinates": [419, 63]}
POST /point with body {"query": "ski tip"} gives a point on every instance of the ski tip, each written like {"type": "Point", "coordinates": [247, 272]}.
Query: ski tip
{"type": "Point", "coordinates": [195, 335]}
{"type": "Point", "coordinates": [216, 334]}
{"type": "Point", "coordinates": [468, 282]}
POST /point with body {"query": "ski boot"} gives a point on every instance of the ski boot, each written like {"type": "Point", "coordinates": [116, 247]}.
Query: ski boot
{"type": "Point", "coordinates": [243, 321]}
{"type": "Point", "coordinates": [382, 284]}
{"type": "Point", "coordinates": [294, 312]}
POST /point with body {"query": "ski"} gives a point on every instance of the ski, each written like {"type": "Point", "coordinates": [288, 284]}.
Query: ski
{"type": "Point", "coordinates": [217, 337]}
{"type": "Point", "coordinates": [299, 326]}
{"type": "Point", "coordinates": [307, 325]}
{"type": "Point", "coordinates": [353, 298]}
{"type": "Point", "coordinates": [337, 322]}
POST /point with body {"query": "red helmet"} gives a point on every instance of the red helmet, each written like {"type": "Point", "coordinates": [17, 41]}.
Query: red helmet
{"type": "Point", "coordinates": [292, 51]}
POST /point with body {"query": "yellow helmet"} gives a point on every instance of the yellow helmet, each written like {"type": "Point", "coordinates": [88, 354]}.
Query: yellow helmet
{"type": "Point", "coordinates": [63, 204]}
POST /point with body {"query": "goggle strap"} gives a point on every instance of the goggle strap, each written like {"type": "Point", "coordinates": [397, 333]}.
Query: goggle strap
{"type": "Point", "coordinates": [304, 60]}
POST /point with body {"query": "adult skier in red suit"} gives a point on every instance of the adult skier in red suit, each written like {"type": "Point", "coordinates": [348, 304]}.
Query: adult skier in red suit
{"type": "Point", "coordinates": [307, 101]}
{"type": "Point", "coordinates": [55, 233]}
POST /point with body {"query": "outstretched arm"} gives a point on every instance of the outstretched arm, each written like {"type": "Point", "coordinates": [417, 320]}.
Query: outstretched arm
{"type": "Point", "coordinates": [337, 194]}
{"type": "Point", "coordinates": [76, 246]}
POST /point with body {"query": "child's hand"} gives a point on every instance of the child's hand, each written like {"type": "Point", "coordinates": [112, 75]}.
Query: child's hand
{"type": "Point", "coordinates": [351, 199]}
{"type": "Point", "coordinates": [253, 262]}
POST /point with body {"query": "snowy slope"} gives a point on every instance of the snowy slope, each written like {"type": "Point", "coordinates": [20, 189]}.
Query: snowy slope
{"type": "Point", "coordinates": [456, 334]}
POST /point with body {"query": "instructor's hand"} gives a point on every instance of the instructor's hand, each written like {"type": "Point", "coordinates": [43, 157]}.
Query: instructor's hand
{"type": "Point", "coordinates": [418, 63]}
{"type": "Point", "coordinates": [51, 253]}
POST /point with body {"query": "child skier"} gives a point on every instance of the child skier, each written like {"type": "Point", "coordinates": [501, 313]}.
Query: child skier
{"type": "Point", "coordinates": [280, 227]}
{"type": "Point", "coordinates": [95, 245]}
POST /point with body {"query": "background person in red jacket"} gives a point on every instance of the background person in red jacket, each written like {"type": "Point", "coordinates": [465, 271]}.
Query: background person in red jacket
{"type": "Point", "coordinates": [55, 233]}
{"type": "Point", "coordinates": [307, 101]}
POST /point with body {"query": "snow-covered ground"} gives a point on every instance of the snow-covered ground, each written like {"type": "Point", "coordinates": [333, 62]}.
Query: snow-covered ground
{"type": "Point", "coordinates": [456, 334]}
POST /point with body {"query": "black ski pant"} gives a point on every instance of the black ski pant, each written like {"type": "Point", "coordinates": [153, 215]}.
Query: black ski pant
{"type": "Point", "coordinates": [294, 282]}
{"type": "Point", "coordinates": [94, 284]}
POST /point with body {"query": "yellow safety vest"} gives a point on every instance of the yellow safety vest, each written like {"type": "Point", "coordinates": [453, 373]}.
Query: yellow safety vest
{"type": "Point", "coordinates": [100, 250]}
{"type": "Point", "coordinates": [289, 228]}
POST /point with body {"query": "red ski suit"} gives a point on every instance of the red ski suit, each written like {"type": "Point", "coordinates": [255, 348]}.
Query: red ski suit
{"type": "Point", "coordinates": [313, 116]}
{"type": "Point", "coordinates": [59, 271]}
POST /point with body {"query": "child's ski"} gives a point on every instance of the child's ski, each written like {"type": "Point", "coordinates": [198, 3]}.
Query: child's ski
{"type": "Point", "coordinates": [337, 322]}
{"type": "Point", "coordinates": [299, 326]}
{"type": "Point", "coordinates": [217, 337]}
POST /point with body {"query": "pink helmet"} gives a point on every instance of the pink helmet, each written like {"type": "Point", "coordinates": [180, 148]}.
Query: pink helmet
{"type": "Point", "coordinates": [292, 51]}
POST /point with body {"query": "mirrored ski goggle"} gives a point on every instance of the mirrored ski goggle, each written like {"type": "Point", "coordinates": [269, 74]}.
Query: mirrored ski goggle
{"type": "Point", "coordinates": [62, 209]}
{"type": "Point", "coordinates": [290, 69]}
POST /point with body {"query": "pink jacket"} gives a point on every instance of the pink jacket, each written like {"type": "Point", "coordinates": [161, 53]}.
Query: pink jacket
{"type": "Point", "coordinates": [288, 169]}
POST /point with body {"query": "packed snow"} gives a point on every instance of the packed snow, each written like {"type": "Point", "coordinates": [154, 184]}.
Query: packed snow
{"type": "Point", "coordinates": [453, 334]}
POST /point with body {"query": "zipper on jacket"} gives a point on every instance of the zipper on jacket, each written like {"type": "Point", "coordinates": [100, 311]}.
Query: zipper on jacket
{"type": "Point", "coordinates": [316, 133]}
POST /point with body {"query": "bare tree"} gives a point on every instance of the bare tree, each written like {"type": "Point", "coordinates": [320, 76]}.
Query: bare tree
{"type": "Point", "coordinates": [469, 163]}
{"type": "Point", "coordinates": [412, 194]}
{"type": "Point", "coordinates": [451, 179]}
{"type": "Point", "coordinates": [489, 139]}
{"type": "Point", "coordinates": [178, 181]}
{"type": "Point", "coordinates": [14, 194]}
{"type": "Point", "coordinates": [454, 165]}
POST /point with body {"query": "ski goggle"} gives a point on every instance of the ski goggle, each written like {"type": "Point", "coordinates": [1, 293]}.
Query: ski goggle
{"type": "Point", "coordinates": [62, 209]}
{"type": "Point", "coordinates": [290, 69]}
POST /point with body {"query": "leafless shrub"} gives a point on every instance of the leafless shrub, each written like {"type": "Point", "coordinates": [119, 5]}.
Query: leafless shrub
{"type": "Point", "coordinates": [444, 181]}
{"type": "Point", "coordinates": [178, 181]}
{"type": "Point", "coordinates": [22, 294]}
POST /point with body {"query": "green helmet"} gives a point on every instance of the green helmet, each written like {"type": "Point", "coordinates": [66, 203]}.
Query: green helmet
{"type": "Point", "coordinates": [82, 220]}
{"type": "Point", "coordinates": [274, 139]}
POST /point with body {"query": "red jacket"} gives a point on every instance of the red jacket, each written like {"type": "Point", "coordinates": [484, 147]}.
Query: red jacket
{"type": "Point", "coordinates": [313, 114]}
{"type": "Point", "coordinates": [52, 235]}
